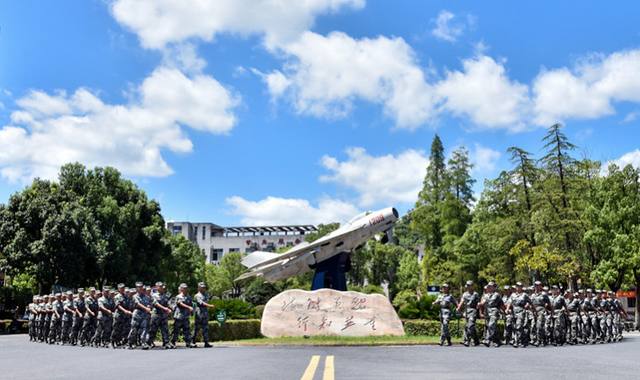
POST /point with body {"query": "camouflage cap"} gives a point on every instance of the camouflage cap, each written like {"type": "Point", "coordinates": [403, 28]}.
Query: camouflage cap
{"type": "Point", "coordinates": [147, 287]}
{"type": "Point", "coordinates": [106, 288]}
{"type": "Point", "coordinates": [132, 290]}
{"type": "Point", "coordinates": [589, 290]}
{"type": "Point", "coordinates": [159, 284]}
{"type": "Point", "coordinates": [183, 286]}
{"type": "Point", "coordinates": [445, 285]}
{"type": "Point", "coordinates": [581, 291]}
{"type": "Point", "coordinates": [58, 294]}
{"type": "Point", "coordinates": [537, 283]}
{"type": "Point", "coordinates": [121, 286]}
{"type": "Point", "coordinates": [506, 287]}
{"type": "Point", "coordinates": [92, 289]}
{"type": "Point", "coordinates": [554, 286]}
{"type": "Point", "coordinates": [491, 283]}
{"type": "Point", "coordinates": [519, 284]}
{"type": "Point", "coordinates": [80, 290]}
{"type": "Point", "coordinates": [69, 293]}
{"type": "Point", "coordinates": [468, 283]}
{"type": "Point", "coordinates": [202, 285]}
{"type": "Point", "coordinates": [545, 288]}
{"type": "Point", "coordinates": [139, 284]}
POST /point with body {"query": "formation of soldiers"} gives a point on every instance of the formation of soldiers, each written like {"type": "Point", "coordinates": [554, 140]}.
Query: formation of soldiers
{"type": "Point", "coordinates": [125, 317]}
{"type": "Point", "coordinates": [535, 315]}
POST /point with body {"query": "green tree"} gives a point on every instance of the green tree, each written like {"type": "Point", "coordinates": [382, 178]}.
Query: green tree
{"type": "Point", "coordinates": [186, 263]}
{"type": "Point", "coordinates": [221, 277]}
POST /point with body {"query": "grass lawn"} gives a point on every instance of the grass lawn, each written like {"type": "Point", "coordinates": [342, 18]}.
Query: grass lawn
{"type": "Point", "coordinates": [339, 341]}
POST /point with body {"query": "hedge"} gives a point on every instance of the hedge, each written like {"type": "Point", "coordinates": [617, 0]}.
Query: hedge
{"type": "Point", "coordinates": [232, 330]}
{"type": "Point", "coordinates": [8, 326]}
{"type": "Point", "coordinates": [415, 327]}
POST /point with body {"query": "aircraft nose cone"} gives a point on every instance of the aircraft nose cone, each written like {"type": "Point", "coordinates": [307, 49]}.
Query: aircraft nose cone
{"type": "Point", "coordinates": [395, 212]}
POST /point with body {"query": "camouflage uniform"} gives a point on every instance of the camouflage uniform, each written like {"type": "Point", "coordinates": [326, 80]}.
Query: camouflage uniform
{"type": "Point", "coordinates": [159, 318]}
{"type": "Point", "coordinates": [119, 329]}
{"type": "Point", "coordinates": [558, 305]}
{"type": "Point", "coordinates": [519, 302]}
{"type": "Point", "coordinates": [470, 302]}
{"type": "Point", "coordinates": [67, 318]}
{"type": "Point", "coordinates": [181, 320]}
{"type": "Point", "coordinates": [618, 326]}
{"type": "Point", "coordinates": [32, 320]}
{"type": "Point", "coordinates": [46, 322]}
{"type": "Point", "coordinates": [89, 323]}
{"type": "Point", "coordinates": [202, 317]}
{"type": "Point", "coordinates": [445, 301]}
{"type": "Point", "coordinates": [139, 322]}
{"type": "Point", "coordinates": [606, 320]}
{"type": "Point", "coordinates": [573, 308]}
{"type": "Point", "coordinates": [102, 335]}
{"type": "Point", "coordinates": [540, 301]}
{"type": "Point", "coordinates": [493, 304]}
{"type": "Point", "coordinates": [78, 318]}
{"type": "Point", "coordinates": [56, 321]}
{"type": "Point", "coordinates": [37, 320]}
{"type": "Point", "coordinates": [508, 319]}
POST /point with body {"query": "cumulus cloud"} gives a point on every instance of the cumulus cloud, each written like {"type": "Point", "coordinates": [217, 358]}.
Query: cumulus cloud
{"type": "Point", "coordinates": [324, 75]}
{"type": "Point", "coordinates": [378, 180]}
{"type": "Point", "coordinates": [631, 158]}
{"type": "Point", "coordinates": [448, 27]}
{"type": "Point", "coordinates": [281, 211]}
{"type": "Point", "coordinates": [484, 159]}
{"type": "Point", "coordinates": [589, 89]}
{"type": "Point", "coordinates": [49, 130]}
{"type": "Point", "coordinates": [161, 22]}
{"type": "Point", "coordinates": [484, 93]}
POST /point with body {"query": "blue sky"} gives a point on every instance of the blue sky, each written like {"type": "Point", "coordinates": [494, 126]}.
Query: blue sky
{"type": "Point", "coordinates": [250, 112]}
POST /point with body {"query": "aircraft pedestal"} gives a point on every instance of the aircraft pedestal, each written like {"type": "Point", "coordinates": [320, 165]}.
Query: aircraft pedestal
{"type": "Point", "coordinates": [332, 273]}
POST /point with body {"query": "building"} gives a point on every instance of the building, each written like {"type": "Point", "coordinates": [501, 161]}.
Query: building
{"type": "Point", "coordinates": [216, 241]}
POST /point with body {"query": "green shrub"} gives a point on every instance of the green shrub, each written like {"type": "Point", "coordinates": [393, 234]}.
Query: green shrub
{"type": "Point", "coordinates": [232, 330]}
{"type": "Point", "coordinates": [367, 289]}
{"type": "Point", "coordinates": [432, 327]}
{"type": "Point", "coordinates": [405, 297]}
{"type": "Point", "coordinates": [259, 311]}
{"type": "Point", "coordinates": [235, 308]}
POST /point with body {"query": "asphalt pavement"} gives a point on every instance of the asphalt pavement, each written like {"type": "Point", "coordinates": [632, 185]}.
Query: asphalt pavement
{"type": "Point", "coordinates": [20, 359]}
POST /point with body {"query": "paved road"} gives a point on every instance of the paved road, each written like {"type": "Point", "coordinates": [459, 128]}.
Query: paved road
{"type": "Point", "coordinates": [20, 359]}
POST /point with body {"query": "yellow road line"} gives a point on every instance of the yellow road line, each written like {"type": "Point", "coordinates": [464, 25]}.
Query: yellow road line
{"type": "Point", "coordinates": [328, 368]}
{"type": "Point", "coordinates": [311, 368]}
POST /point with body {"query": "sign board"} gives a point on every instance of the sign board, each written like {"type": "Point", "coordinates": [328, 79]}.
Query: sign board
{"type": "Point", "coordinates": [626, 294]}
{"type": "Point", "coordinates": [433, 289]}
{"type": "Point", "coordinates": [221, 316]}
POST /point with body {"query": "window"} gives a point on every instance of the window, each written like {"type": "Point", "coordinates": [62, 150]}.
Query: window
{"type": "Point", "coordinates": [176, 229]}
{"type": "Point", "coordinates": [195, 231]}
{"type": "Point", "coordinates": [631, 302]}
{"type": "Point", "coordinates": [234, 250]}
{"type": "Point", "coordinates": [204, 232]}
{"type": "Point", "coordinates": [203, 252]}
{"type": "Point", "coordinates": [216, 254]}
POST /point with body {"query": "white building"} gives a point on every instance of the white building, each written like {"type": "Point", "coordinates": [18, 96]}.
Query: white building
{"type": "Point", "coordinates": [216, 241]}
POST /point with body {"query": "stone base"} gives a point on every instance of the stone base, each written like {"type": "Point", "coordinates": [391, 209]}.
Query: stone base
{"type": "Point", "coordinates": [329, 312]}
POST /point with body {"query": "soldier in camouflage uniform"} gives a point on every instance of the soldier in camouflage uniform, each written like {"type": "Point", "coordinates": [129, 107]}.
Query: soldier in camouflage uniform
{"type": "Point", "coordinates": [469, 300]}
{"type": "Point", "coordinates": [160, 316]}
{"type": "Point", "coordinates": [38, 315]}
{"type": "Point", "coordinates": [32, 318]}
{"type": "Point", "coordinates": [120, 329]}
{"type": "Point", "coordinates": [541, 306]}
{"type": "Point", "coordinates": [56, 319]}
{"type": "Point", "coordinates": [508, 317]}
{"type": "Point", "coordinates": [201, 300]}
{"type": "Point", "coordinates": [619, 316]}
{"type": "Point", "coordinates": [519, 305]}
{"type": "Point", "coordinates": [573, 309]}
{"type": "Point", "coordinates": [181, 316]}
{"type": "Point", "coordinates": [90, 317]}
{"type": "Point", "coordinates": [67, 317]}
{"type": "Point", "coordinates": [606, 319]}
{"type": "Point", "coordinates": [78, 317]}
{"type": "Point", "coordinates": [139, 321]}
{"type": "Point", "coordinates": [46, 321]}
{"type": "Point", "coordinates": [597, 320]}
{"type": "Point", "coordinates": [106, 307]}
{"type": "Point", "coordinates": [559, 309]}
{"type": "Point", "coordinates": [493, 305]}
{"type": "Point", "coordinates": [445, 301]}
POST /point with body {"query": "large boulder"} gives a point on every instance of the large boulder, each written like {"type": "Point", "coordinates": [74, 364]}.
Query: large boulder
{"type": "Point", "coordinates": [329, 312]}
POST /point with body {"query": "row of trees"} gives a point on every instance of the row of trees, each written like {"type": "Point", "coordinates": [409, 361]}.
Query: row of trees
{"type": "Point", "coordinates": [554, 218]}
{"type": "Point", "coordinates": [91, 227]}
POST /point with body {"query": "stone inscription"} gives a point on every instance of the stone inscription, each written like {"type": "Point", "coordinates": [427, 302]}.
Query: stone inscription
{"type": "Point", "coordinates": [329, 312]}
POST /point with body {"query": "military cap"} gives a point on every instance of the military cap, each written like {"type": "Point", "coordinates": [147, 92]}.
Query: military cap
{"type": "Point", "coordinates": [554, 286]}
{"type": "Point", "coordinates": [69, 293]}
{"type": "Point", "coordinates": [139, 284]}
{"type": "Point", "coordinates": [469, 283]}
{"type": "Point", "coordinates": [491, 283]}
{"type": "Point", "coordinates": [98, 291]}
{"type": "Point", "coordinates": [159, 284]}
{"type": "Point", "coordinates": [182, 286]}
{"type": "Point", "coordinates": [80, 290]}
{"type": "Point", "coordinates": [519, 284]}
{"type": "Point", "coordinates": [445, 285]}
{"type": "Point", "coordinates": [132, 290]}
{"type": "Point", "coordinates": [126, 289]}
{"type": "Point", "coordinates": [506, 287]}
{"type": "Point", "coordinates": [589, 291]}
{"type": "Point", "coordinates": [45, 296]}
{"type": "Point", "coordinates": [202, 285]}
{"type": "Point", "coordinates": [106, 288]}
{"type": "Point", "coordinates": [120, 286]}
{"type": "Point", "coordinates": [581, 291]}
{"type": "Point", "coordinates": [58, 294]}
{"type": "Point", "coordinates": [147, 287]}
{"type": "Point", "coordinates": [92, 289]}
{"type": "Point", "coordinates": [545, 288]}
{"type": "Point", "coordinates": [537, 283]}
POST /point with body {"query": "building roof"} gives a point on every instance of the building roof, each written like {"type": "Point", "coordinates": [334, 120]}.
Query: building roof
{"type": "Point", "coordinates": [301, 229]}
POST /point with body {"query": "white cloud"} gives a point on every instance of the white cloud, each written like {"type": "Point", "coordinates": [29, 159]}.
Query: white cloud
{"type": "Point", "coordinates": [50, 130]}
{"type": "Point", "coordinates": [379, 180]}
{"type": "Point", "coordinates": [324, 75]}
{"type": "Point", "coordinates": [484, 159]}
{"type": "Point", "coordinates": [589, 89]}
{"type": "Point", "coordinates": [282, 211]}
{"type": "Point", "coordinates": [631, 158]}
{"type": "Point", "coordinates": [183, 56]}
{"type": "Point", "coordinates": [449, 30]}
{"type": "Point", "coordinates": [484, 93]}
{"type": "Point", "coordinates": [631, 117]}
{"type": "Point", "coordinates": [162, 22]}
